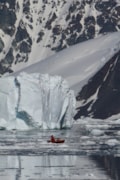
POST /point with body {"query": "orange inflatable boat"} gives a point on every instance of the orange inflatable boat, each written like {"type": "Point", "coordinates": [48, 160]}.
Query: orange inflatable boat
{"type": "Point", "coordinates": [56, 140]}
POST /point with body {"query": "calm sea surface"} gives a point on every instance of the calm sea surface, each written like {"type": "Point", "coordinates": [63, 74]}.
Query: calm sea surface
{"type": "Point", "coordinates": [91, 151]}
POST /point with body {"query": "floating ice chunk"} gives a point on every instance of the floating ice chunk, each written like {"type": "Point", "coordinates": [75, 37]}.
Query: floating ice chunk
{"type": "Point", "coordinates": [112, 142]}
{"type": "Point", "coordinates": [117, 121]}
{"type": "Point", "coordinates": [3, 124]}
{"type": "Point", "coordinates": [97, 132]}
{"type": "Point", "coordinates": [118, 133]}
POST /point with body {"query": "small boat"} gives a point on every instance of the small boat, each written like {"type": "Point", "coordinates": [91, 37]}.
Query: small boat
{"type": "Point", "coordinates": [56, 140]}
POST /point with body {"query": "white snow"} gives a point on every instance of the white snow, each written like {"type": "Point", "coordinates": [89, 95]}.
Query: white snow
{"type": "Point", "coordinates": [76, 65]}
{"type": "Point", "coordinates": [36, 101]}
{"type": "Point", "coordinates": [25, 105]}
{"type": "Point", "coordinates": [79, 62]}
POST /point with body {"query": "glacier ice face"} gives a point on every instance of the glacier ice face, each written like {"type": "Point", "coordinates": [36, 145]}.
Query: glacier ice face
{"type": "Point", "coordinates": [8, 101]}
{"type": "Point", "coordinates": [36, 101]}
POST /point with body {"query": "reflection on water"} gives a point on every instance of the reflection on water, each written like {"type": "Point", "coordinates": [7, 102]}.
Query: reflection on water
{"type": "Point", "coordinates": [28, 156]}
{"type": "Point", "coordinates": [111, 165]}
{"type": "Point", "coordinates": [50, 167]}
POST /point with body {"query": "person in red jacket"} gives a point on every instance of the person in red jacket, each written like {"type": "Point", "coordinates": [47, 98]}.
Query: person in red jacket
{"type": "Point", "coordinates": [56, 140]}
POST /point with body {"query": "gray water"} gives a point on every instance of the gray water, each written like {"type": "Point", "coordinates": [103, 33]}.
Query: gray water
{"type": "Point", "coordinates": [26, 155]}
{"type": "Point", "coordinates": [50, 167]}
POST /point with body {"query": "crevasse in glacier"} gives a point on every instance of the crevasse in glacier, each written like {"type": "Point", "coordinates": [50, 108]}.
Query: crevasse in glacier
{"type": "Point", "coordinates": [36, 101]}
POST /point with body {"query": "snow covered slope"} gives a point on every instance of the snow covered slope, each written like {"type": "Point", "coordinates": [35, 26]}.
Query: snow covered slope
{"type": "Point", "coordinates": [93, 64]}
{"type": "Point", "coordinates": [80, 62]}
{"type": "Point", "coordinates": [31, 30]}
{"type": "Point", "coordinates": [34, 31]}
{"type": "Point", "coordinates": [101, 95]}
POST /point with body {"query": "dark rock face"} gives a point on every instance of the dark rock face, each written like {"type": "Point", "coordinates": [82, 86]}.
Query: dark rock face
{"type": "Point", "coordinates": [105, 85]}
{"type": "Point", "coordinates": [82, 27]}
{"type": "Point", "coordinates": [7, 16]}
{"type": "Point", "coordinates": [52, 25]}
{"type": "Point", "coordinates": [107, 20]}
{"type": "Point", "coordinates": [1, 45]}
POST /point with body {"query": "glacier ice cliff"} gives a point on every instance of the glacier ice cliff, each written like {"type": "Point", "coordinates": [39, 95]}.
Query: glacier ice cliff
{"type": "Point", "coordinates": [35, 101]}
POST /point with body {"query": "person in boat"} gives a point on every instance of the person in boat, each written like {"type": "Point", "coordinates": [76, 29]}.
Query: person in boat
{"type": "Point", "coordinates": [56, 140]}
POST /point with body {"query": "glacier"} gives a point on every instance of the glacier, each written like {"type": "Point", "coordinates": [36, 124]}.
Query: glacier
{"type": "Point", "coordinates": [36, 100]}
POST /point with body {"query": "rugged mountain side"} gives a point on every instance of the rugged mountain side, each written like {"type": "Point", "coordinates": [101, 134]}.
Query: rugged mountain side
{"type": "Point", "coordinates": [100, 98]}
{"type": "Point", "coordinates": [31, 30]}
